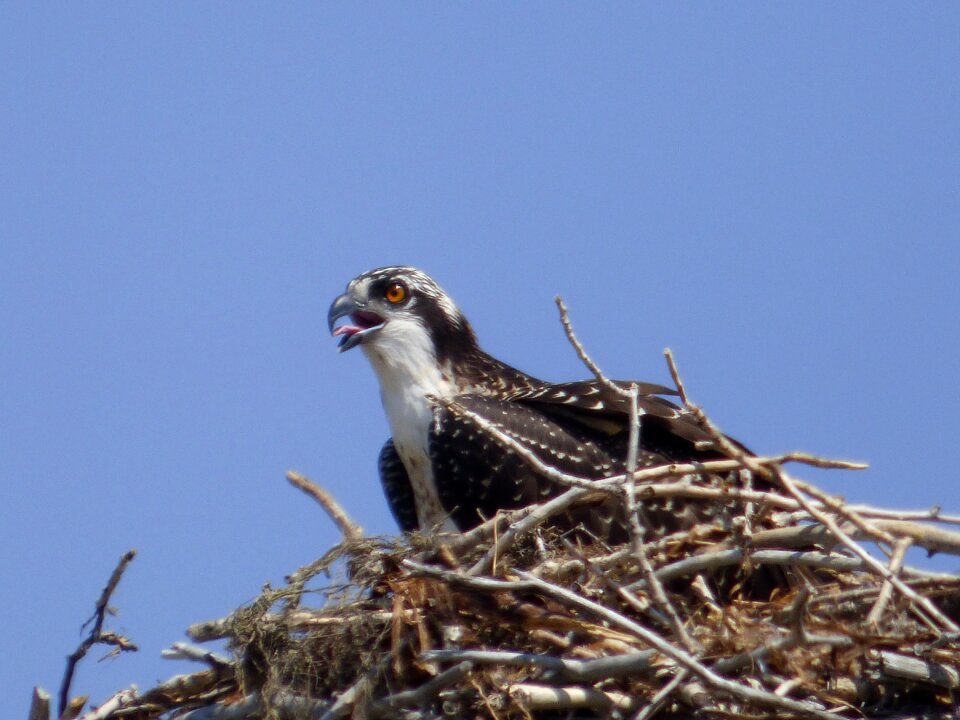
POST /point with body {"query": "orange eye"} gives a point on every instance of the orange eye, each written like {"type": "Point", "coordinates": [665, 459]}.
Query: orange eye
{"type": "Point", "coordinates": [395, 293]}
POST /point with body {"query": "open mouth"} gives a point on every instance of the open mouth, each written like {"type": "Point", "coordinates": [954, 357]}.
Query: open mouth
{"type": "Point", "coordinates": [362, 324]}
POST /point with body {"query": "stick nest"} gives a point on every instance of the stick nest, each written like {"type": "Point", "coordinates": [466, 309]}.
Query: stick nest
{"type": "Point", "coordinates": [717, 621]}
{"type": "Point", "coordinates": [780, 601]}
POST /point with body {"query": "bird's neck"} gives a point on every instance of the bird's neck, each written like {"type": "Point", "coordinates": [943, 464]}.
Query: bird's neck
{"type": "Point", "coordinates": [410, 364]}
{"type": "Point", "coordinates": [406, 364]}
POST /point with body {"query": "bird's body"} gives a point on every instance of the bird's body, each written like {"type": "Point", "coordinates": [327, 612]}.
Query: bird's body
{"type": "Point", "coordinates": [440, 469]}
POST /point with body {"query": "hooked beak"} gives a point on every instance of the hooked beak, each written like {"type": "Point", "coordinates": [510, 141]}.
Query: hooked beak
{"type": "Point", "coordinates": [363, 322]}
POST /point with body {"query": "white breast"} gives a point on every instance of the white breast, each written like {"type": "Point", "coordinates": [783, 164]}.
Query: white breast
{"type": "Point", "coordinates": [403, 358]}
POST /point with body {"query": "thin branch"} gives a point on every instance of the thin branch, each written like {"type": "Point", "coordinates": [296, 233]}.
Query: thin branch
{"type": "Point", "coordinates": [886, 590]}
{"type": "Point", "coordinates": [930, 538]}
{"type": "Point", "coordinates": [528, 522]}
{"type": "Point", "coordinates": [39, 705]}
{"type": "Point", "coordinates": [822, 517]}
{"type": "Point", "coordinates": [525, 519]}
{"type": "Point", "coordinates": [933, 539]}
{"type": "Point", "coordinates": [117, 701]}
{"type": "Point", "coordinates": [722, 442]}
{"type": "Point", "coordinates": [651, 708]}
{"type": "Point", "coordinates": [183, 651]}
{"type": "Point", "coordinates": [634, 526]}
{"type": "Point", "coordinates": [871, 562]}
{"type": "Point", "coordinates": [582, 353]}
{"type": "Point", "coordinates": [667, 613]}
{"type": "Point", "coordinates": [659, 595]}
{"type": "Point", "coordinates": [663, 602]}
{"type": "Point", "coordinates": [838, 506]}
{"type": "Point", "coordinates": [349, 698]}
{"type": "Point", "coordinates": [297, 620]}
{"type": "Point", "coordinates": [96, 632]}
{"type": "Point", "coordinates": [932, 515]}
{"type": "Point", "coordinates": [931, 581]}
{"type": "Point", "coordinates": [581, 670]}
{"type": "Point", "coordinates": [796, 636]}
{"type": "Point", "coordinates": [675, 374]}
{"type": "Point", "coordinates": [421, 695]}
{"type": "Point", "coordinates": [736, 556]}
{"type": "Point", "coordinates": [348, 528]}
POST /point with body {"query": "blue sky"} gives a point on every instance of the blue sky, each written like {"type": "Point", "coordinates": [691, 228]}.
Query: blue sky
{"type": "Point", "coordinates": [771, 190]}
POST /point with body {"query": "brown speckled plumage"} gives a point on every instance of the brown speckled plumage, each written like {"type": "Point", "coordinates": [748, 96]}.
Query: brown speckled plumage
{"type": "Point", "coordinates": [577, 427]}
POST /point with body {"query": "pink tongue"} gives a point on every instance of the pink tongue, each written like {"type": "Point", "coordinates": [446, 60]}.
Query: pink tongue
{"type": "Point", "coordinates": [346, 330]}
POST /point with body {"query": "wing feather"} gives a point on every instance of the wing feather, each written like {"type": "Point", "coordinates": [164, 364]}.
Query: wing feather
{"type": "Point", "coordinates": [476, 476]}
{"type": "Point", "coordinates": [397, 488]}
{"type": "Point", "coordinates": [668, 428]}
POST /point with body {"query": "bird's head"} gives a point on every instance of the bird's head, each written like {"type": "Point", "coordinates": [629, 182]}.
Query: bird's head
{"type": "Point", "coordinates": [395, 311]}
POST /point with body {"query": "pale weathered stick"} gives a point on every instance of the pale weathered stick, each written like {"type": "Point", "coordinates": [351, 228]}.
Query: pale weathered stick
{"type": "Point", "coordinates": [932, 515]}
{"type": "Point", "coordinates": [871, 562]}
{"type": "Point", "coordinates": [918, 670]}
{"type": "Point", "coordinates": [347, 700]}
{"type": "Point", "coordinates": [736, 556]}
{"type": "Point", "coordinates": [528, 518]}
{"type": "Point", "coordinates": [632, 510]}
{"type": "Point", "coordinates": [838, 506]}
{"type": "Point", "coordinates": [582, 353]}
{"type": "Point", "coordinates": [886, 590]}
{"type": "Point", "coordinates": [420, 695]}
{"type": "Point", "coordinates": [39, 705]}
{"type": "Point", "coordinates": [723, 443]}
{"type": "Point", "coordinates": [541, 514]}
{"type": "Point", "coordinates": [349, 529]}
{"type": "Point", "coordinates": [118, 700]}
{"type": "Point", "coordinates": [930, 538]}
{"type": "Point", "coordinates": [183, 651]}
{"type": "Point", "coordinates": [534, 697]}
{"type": "Point", "coordinates": [580, 670]}
{"type": "Point", "coordinates": [493, 527]}
{"type": "Point", "coordinates": [247, 707]}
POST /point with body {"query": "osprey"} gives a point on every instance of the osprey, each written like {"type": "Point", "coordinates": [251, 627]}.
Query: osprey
{"type": "Point", "coordinates": [440, 470]}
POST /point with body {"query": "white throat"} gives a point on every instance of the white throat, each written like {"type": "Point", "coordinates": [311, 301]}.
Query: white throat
{"type": "Point", "coordinates": [403, 357]}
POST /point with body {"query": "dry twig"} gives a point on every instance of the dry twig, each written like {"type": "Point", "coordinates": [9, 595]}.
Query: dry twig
{"type": "Point", "coordinates": [349, 529]}
{"type": "Point", "coordinates": [96, 634]}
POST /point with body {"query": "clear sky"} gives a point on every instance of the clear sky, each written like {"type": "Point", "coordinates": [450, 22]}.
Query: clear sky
{"type": "Point", "coordinates": [771, 190]}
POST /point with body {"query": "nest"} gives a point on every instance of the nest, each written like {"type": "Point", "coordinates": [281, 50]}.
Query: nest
{"type": "Point", "coordinates": [773, 608]}
{"type": "Point", "coordinates": [782, 601]}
